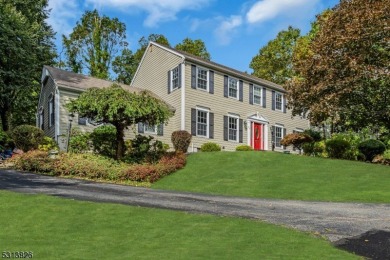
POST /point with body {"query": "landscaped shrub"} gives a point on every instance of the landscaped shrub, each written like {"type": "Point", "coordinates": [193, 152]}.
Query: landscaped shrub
{"type": "Point", "coordinates": [370, 148]}
{"type": "Point", "coordinates": [181, 140]}
{"type": "Point", "coordinates": [315, 135]}
{"type": "Point", "coordinates": [352, 153]}
{"type": "Point", "coordinates": [296, 139]}
{"type": "Point", "coordinates": [104, 140]}
{"type": "Point", "coordinates": [144, 149]}
{"type": "Point", "coordinates": [79, 142]}
{"type": "Point", "coordinates": [47, 144]}
{"type": "Point", "coordinates": [34, 161]}
{"type": "Point", "coordinates": [27, 137]}
{"type": "Point", "coordinates": [336, 148]}
{"type": "Point", "coordinates": [5, 139]}
{"type": "Point", "coordinates": [210, 147]}
{"type": "Point", "coordinates": [244, 148]}
{"type": "Point", "coordinates": [169, 163]}
{"type": "Point", "coordinates": [88, 165]}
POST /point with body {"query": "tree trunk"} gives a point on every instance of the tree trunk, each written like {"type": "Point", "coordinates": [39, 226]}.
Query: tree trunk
{"type": "Point", "coordinates": [4, 119]}
{"type": "Point", "coordinates": [119, 141]}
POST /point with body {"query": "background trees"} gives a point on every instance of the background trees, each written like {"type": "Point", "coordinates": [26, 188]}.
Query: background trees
{"type": "Point", "coordinates": [94, 43]}
{"type": "Point", "coordinates": [345, 78]}
{"type": "Point", "coordinates": [26, 44]}
{"type": "Point", "coordinates": [194, 47]}
{"type": "Point", "coordinates": [274, 61]}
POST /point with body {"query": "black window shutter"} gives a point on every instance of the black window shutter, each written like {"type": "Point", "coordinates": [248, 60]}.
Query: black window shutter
{"type": "Point", "coordinates": [284, 134]}
{"type": "Point", "coordinates": [48, 113]}
{"type": "Point", "coordinates": [225, 86]}
{"type": "Point", "coordinates": [140, 128]}
{"type": "Point", "coordinates": [160, 129]}
{"type": "Point", "coordinates": [273, 99]}
{"type": "Point", "coordinates": [264, 97]}
{"type": "Point", "coordinates": [53, 111]}
{"type": "Point", "coordinates": [211, 125]}
{"type": "Point", "coordinates": [193, 121]}
{"type": "Point", "coordinates": [169, 81]}
{"type": "Point", "coordinates": [179, 70]}
{"type": "Point", "coordinates": [225, 128]}
{"type": "Point", "coordinates": [241, 90]}
{"type": "Point", "coordinates": [273, 135]}
{"type": "Point", "coordinates": [284, 104]}
{"type": "Point", "coordinates": [241, 131]}
{"type": "Point", "coordinates": [211, 83]}
{"type": "Point", "coordinates": [193, 76]}
{"type": "Point", "coordinates": [43, 120]}
{"type": "Point", "coordinates": [251, 93]}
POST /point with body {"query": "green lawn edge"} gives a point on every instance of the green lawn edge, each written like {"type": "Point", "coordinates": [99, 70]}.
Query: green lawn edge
{"type": "Point", "coordinates": [57, 228]}
{"type": "Point", "coordinates": [281, 176]}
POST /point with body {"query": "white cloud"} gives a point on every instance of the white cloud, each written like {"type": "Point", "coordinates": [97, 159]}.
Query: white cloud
{"type": "Point", "coordinates": [63, 15]}
{"type": "Point", "coordinates": [267, 9]}
{"type": "Point", "coordinates": [227, 28]}
{"type": "Point", "coordinates": [157, 10]}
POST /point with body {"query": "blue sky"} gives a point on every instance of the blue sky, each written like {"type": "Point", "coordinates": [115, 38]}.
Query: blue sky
{"type": "Point", "coordinates": [232, 30]}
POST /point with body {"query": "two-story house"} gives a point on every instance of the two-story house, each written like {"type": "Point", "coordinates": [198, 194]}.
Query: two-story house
{"type": "Point", "coordinates": [215, 103]}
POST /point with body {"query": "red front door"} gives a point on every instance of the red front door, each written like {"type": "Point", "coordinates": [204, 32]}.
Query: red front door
{"type": "Point", "coordinates": [257, 140]}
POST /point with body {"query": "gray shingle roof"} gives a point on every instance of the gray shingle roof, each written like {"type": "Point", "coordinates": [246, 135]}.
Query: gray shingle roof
{"type": "Point", "coordinates": [68, 79]}
{"type": "Point", "coordinates": [225, 69]}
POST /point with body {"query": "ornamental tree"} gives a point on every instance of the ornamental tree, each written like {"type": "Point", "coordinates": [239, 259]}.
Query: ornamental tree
{"type": "Point", "coordinates": [296, 139]}
{"type": "Point", "coordinates": [121, 108]}
{"type": "Point", "coordinates": [194, 47]}
{"type": "Point", "coordinates": [345, 77]}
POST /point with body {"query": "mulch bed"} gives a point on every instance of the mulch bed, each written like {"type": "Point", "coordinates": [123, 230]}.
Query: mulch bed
{"type": "Point", "coordinates": [374, 244]}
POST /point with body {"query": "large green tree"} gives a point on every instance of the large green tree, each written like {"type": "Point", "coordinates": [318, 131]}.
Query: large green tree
{"type": "Point", "coordinates": [26, 44]}
{"type": "Point", "coordinates": [120, 108]}
{"type": "Point", "coordinates": [94, 44]}
{"type": "Point", "coordinates": [345, 77]}
{"type": "Point", "coordinates": [123, 66]}
{"type": "Point", "coordinates": [274, 60]}
{"type": "Point", "coordinates": [194, 47]}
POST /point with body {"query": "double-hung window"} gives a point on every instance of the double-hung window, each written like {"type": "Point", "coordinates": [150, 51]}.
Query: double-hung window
{"type": "Point", "coordinates": [278, 135]}
{"type": "Point", "coordinates": [233, 88]}
{"type": "Point", "coordinates": [202, 78]}
{"type": "Point", "coordinates": [256, 95]}
{"type": "Point", "coordinates": [151, 129]}
{"type": "Point", "coordinates": [202, 122]}
{"type": "Point", "coordinates": [233, 128]}
{"type": "Point", "coordinates": [175, 78]}
{"type": "Point", "coordinates": [278, 101]}
{"type": "Point", "coordinates": [51, 110]}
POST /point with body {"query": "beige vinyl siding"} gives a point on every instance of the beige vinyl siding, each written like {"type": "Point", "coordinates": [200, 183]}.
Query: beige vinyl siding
{"type": "Point", "coordinates": [153, 75]}
{"type": "Point", "coordinates": [221, 106]}
{"type": "Point", "coordinates": [48, 88]}
{"type": "Point", "coordinates": [65, 97]}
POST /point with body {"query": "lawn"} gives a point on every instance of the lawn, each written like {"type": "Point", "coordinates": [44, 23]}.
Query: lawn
{"type": "Point", "coordinates": [55, 228]}
{"type": "Point", "coordinates": [281, 176]}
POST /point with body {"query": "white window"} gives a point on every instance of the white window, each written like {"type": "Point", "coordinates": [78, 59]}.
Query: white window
{"type": "Point", "coordinates": [202, 122]}
{"type": "Point", "coordinates": [41, 118]}
{"type": "Point", "coordinates": [151, 129]}
{"type": "Point", "coordinates": [233, 88]}
{"type": "Point", "coordinates": [256, 95]}
{"type": "Point", "coordinates": [233, 128]}
{"type": "Point", "coordinates": [278, 135]}
{"type": "Point", "coordinates": [51, 110]}
{"type": "Point", "coordinates": [202, 78]}
{"type": "Point", "coordinates": [278, 101]}
{"type": "Point", "coordinates": [175, 78]}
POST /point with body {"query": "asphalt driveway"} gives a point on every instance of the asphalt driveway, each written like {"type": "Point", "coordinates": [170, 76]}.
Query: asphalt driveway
{"type": "Point", "coordinates": [332, 220]}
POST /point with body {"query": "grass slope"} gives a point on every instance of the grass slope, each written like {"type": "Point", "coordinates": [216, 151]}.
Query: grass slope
{"type": "Point", "coordinates": [54, 228]}
{"type": "Point", "coordinates": [282, 176]}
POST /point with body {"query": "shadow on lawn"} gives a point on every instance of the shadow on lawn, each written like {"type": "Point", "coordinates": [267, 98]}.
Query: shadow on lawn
{"type": "Point", "coordinates": [374, 244]}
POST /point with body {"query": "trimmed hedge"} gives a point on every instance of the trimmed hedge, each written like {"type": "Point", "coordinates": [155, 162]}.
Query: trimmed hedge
{"type": "Point", "coordinates": [336, 148]}
{"type": "Point", "coordinates": [244, 148]}
{"type": "Point", "coordinates": [27, 137]}
{"type": "Point", "coordinates": [370, 148]}
{"type": "Point", "coordinates": [210, 147]}
{"type": "Point", "coordinates": [181, 140]}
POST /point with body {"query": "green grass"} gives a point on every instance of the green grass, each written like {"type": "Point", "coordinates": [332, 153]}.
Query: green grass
{"type": "Point", "coordinates": [55, 228]}
{"type": "Point", "coordinates": [281, 176]}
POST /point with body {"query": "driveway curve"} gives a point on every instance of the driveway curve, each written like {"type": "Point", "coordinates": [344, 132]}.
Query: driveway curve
{"type": "Point", "coordinates": [332, 220]}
